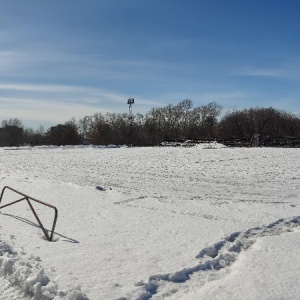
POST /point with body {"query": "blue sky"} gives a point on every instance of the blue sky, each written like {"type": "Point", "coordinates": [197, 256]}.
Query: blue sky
{"type": "Point", "coordinates": [71, 58]}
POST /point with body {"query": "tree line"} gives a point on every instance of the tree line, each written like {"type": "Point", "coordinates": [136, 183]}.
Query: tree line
{"type": "Point", "coordinates": [172, 122]}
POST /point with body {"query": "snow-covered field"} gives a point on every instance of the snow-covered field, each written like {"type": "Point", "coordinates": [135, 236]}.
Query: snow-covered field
{"type": "Point", "coordinates": [152, 223]}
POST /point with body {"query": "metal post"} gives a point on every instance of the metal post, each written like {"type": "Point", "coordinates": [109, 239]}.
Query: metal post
{"type": "Point", "coordinates": [130, 102]}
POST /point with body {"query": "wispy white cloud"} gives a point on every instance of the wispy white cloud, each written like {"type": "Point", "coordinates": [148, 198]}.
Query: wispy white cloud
{"type": "Point", "coordinates": [263, 72]}
{"type": "Point", "coordinates": [7, 60]}
{"type": "Point", "coordinates": [38, 88]}
{"type": "Point", "coordinates": [76, 94]}
{"type": "Point", "coordinates": [44, 112]}
{"type": "Point", "coordinates": [51, 104]}
{"type": "Point", "coordinates": [290, 71]}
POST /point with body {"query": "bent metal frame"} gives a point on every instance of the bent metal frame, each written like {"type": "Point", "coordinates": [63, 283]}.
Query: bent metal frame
{"type": "Point", "coordinates": [28, 199]}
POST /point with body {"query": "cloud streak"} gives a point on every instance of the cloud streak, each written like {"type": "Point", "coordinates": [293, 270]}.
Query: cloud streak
{"type": "Point", "coordinates": [43, 112]}
{"type": "Point", "coordinates": [290, 71]}
{"type": "Point", "coordinates": [52, 104]}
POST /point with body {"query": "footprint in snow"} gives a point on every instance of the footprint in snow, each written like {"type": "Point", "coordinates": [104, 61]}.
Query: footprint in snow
{"type": "Point", "coordinates": [217, 256]}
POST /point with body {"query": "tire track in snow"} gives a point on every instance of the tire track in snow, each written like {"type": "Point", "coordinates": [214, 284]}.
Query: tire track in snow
{"type": "Point", "coordinates": [220, 255]}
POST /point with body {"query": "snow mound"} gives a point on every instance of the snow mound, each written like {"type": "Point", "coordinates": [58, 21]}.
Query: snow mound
{"type": "Point", "coordinates": [29, 277]}
{"type": "Point", "coordinates": [193, 144]}
{"type": "Point", "coordinates": [213, 145]}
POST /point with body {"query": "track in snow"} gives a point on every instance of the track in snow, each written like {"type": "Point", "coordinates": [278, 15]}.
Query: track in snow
{"type": "Point", "coordinates": [213, 258]}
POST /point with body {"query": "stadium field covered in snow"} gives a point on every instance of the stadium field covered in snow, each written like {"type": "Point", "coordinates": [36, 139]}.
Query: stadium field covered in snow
{"type": "Point", "coordinates": [206, 222]}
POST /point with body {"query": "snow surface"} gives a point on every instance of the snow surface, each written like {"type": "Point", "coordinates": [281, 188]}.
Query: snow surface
{"type": "Point", "coordinates": [207, 222]}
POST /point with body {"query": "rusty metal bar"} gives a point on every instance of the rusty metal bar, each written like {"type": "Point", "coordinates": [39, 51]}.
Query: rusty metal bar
{"type": "Point", "coordinates": [13, 202]}
{"type": "Point", "coordinates": [28, 198]}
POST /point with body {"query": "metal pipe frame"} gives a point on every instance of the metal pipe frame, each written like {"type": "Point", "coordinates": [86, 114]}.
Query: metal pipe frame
{"type": "Point", "coordinates": [28, 198]}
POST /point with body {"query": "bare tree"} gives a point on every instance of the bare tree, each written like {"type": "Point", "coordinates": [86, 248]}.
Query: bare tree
{"type": "Point", "coordinates": [11, 132]}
